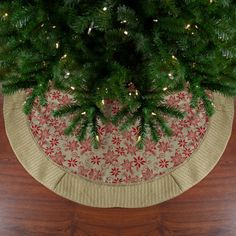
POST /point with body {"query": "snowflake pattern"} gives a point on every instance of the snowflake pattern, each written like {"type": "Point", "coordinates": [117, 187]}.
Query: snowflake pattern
{"type": "Point", "coordinates": [118, 161]}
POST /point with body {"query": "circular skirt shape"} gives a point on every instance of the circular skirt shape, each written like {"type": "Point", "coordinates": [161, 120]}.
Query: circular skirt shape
{"type": "Point", "coordinates": [117, 174]}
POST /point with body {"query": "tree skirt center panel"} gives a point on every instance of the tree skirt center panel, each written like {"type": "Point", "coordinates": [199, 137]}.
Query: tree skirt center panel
{"type": "Point", "coordinates": [118, 161]}
{"type": "Point", "coordinates": [118, 174]}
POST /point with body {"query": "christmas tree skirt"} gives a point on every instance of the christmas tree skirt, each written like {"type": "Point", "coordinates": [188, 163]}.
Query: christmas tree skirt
{"type": "Point", "coordinates": [117, 174]}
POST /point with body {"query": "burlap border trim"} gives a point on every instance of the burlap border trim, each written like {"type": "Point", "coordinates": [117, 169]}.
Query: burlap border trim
{"type": "Point", "coordinates": [91, 194]}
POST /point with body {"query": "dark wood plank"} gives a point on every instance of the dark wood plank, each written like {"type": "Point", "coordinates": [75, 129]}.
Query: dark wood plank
{"type": "Point", "coordinates": [28, 208]}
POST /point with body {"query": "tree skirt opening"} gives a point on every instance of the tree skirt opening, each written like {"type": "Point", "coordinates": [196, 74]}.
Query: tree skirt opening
{"type": "Point", "coordinates": [117, 174]}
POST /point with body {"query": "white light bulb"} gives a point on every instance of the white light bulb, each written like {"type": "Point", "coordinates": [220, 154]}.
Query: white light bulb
{"type": "Point", "coordinates": [154, 114]}
{"type": "Point", "coordinates": [187, 26]}
{"type": "Point", "coordinates": [124, 21]}
{"type": "Point", "coordinates": [104, 9]}
{"type": "Point", "coordinates": [73, 88]}
{"type": "Point", "coordinates": [126, 32]}
{"type": "Point", "coordinates": [155, 20]}
{"type": "Point", "coordinates": [83, 113]}
{"type": "Point", "coordinates": [173, 57]}
{"type": "Point", "coordinates": [64, 56]}
{"type": "Point", "coordinates": [164, 89]}
{"type": "Point", "coordinates": [57, 45]}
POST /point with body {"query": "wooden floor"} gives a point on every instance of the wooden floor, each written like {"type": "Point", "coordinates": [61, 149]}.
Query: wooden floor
{"type": "Point", "coordinates": [27, 208]}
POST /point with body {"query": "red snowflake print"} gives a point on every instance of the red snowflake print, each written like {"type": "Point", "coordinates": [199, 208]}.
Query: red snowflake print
{"type": "Point", "coordinates": [139, 161]}
{"type": "Point", "coordinates": [164, 146]}
{"type": "Point", "coordinates": [42, 120]}
{"type": "Point", "coordinates": [128, 136]}
{"type": "Point", "coordinates": [115, 109]}
{"type": "Point", "coordinates": [117, 181]}
{"type": "Point", "coordinates": [187, 152]}
{"type": "Point", "coordinates": [173, 101]}
{"type": "Point", "coordinates": [150, 147]}
{"type": "Point", "coordinates": [110, 157]}
{"type": "Point", "coordinates": [65, 100]}
{"type": "Point", "coordinates": [35, 130]}
{"type": "Point", "coordinates": [182, 143]}
{"type": "Point", "coordinates": [177, 130]}
{"type": "Point", "coordinates": [127, 166]}
{"type": "Point", "coordinates": [82, 170]}
{"type": "Point", "coordinates": [48, 150]}
{"type": "Point", "coordinates": [178, 158]}
{"type": "Point", "coordinates": [58, 158]}
{"type": "Point", "coordinates": [60, 128]}
{"type": "Point", "coordinates": [54, 141]}
{"type": "Point", "coordinates": [72, 146]}
{"type": "Point", "coordinates": [95, 160]}
{"type": "Point", "coordinates": [116, 140]}
{"type": "Point", "coordinates": [181, 96]}
{"type": "Point", "coordinates": [115, 171]}
{"type": "Point", "coordinates": [120, 151]}
{"type": "Point", "coordinates": [135, 131]}
{"type": "Point", "coordinates": [95, 174]}
{"type": "Point", "coordinates": [101, 130]}
{"type": "Point", "coordinates": [54, 122]}
{"type": "Point", "coordinates": [183, 123]}
{"type": "Point", "coordinates": [56, 95]}
{"type": "Point", "coordinates": [110, 128]}
{"type": "Point", "coordinates": [192, 135]}
{"type": "Point", "coordinates": [85, 146]}
{"type": "Point", "coordinates": [131, 149]}
{"type": "Point", "coordinates": [201, 130]}
{"type": "Point", "coordinates": [45, 134]}
{"type": "Point", "coordinates": [194, 121]}
{"type": "Point", "coordinates": [72, 162]}
{"type": "Point", "coordinates": [147, 174]}
{"type": "Point", "coordinates": [163, 163]}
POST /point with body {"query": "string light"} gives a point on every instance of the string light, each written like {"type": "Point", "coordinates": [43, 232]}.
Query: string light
{"type": "Point", "coordinates": [139, 138]}
{"type": "Point", "coordinates": [90, 27]}
{"type": "Point", "coordinates": [123, 21]}
{"type": "Point", "coordinates": [67, 74]}
{"type": "Point", "coordinates": [126, 32]}
{"type": "Point", "coordinates": [103, 102]}
{"type": "Point", "coordinates": [130, 94]}
{"type": "Point", "coordinates": [5, 15]}
{"type": "Point", "coordinates": [173, 57]}
{"type": "Point", "coordinates": [155, 20]}
{"type": "Point", "coordinates": [64, 56]}
{"type": "Point", "coordinates": [211, 1]}
{"type": "Point", "coordinates": [136, 92]}
{"type": "Point", "coordinates": [171, 76]}
{"type": "Point", "coordinates": [97, 137]}
{"type": "Point", "coordinates": [73, 88]}
{"type": "Point", "coordinates": [42, 25]}
{"type": "Point", "coordinates": [164, 89]}
{"type": "Point", "coordinates": [187, 26]}
{"type": "Point", "coordinates": [54, 27]}
{"type": "Point", "coordinates": [154, 114]}
{"type": "Point", "coordinates": [83, 113]}
{"type": "Point", "coordinates": [104, 9]}
{"type": "Point", "coordinates": [57, 45]}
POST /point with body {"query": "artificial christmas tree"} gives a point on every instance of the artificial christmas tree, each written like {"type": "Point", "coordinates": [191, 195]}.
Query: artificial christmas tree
{"type": "Point", "coordinates": [136, 52]}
